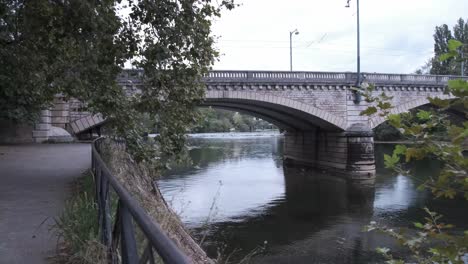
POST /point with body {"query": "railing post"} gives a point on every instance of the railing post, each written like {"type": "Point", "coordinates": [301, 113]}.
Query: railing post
{"type": "Point", "coordinates": [116, 233]}
{"type": "Point", "coordinates": [98, 193]}
{"type": "Point", "coordinates": [92, 162]}
{"type": "Point", "coordinates": [102, 209]}
{"type": "Point", "coordinates": [106, 219]}
{"type": "Point", "coordinates": [147, 254]}
{"type": "Point", "coordinates": [128, 242]}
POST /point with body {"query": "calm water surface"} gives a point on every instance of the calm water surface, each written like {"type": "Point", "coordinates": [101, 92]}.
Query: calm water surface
{"type": "Point", "coordinates": [239, 197]}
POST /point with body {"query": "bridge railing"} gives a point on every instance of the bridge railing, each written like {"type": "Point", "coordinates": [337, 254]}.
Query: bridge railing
{"type": "Point", "coordinates": [409, 78]}
{"type": "Point", "coordinates": [328, 76]}
{"type": "Point", "coordinates": [275, 75]}
{"type": "Point", "coordinates": [284, 76]}
{"type": "Point", "coordinates": [120, 229]}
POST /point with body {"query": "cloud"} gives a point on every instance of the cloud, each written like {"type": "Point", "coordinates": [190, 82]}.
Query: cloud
{"type": "Point", "coordinates": [396, 36]}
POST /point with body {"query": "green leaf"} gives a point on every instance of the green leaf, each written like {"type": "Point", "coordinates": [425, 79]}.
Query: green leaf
{"type": "Point", "coordinates": [434, 251]}
{"type": "Point", "coordinates": [369, 111]}
{"type": "Point", "coordinates": [446, 56]}
{"type": "Point", "coordinates": [454, 44]}
{"type": "Point", "coordinates": [382, 250]}
{"type": "Point", "coordinates": [449, 193]}
{"type": "Point", "coordinates": [384, 105]}
{"type": "Point", "coordinates": [442, 103]}
{"type": "Point", "coordinates": [418, 225]}
{"type": "Point", "coordinates": [458, 87]}
{"type": "Point", "coordinates": [399, 150]}
{"type": "Point", "coordinates": [394, 120]}
{"type": "Point", "coordinates": [421, 187]}
{"type": "Point", "coordinates": [415, 130]}
{"type": "Point", "coordinates": [423, 115]}
{"type": "Point", "coordinates": [391, 161]}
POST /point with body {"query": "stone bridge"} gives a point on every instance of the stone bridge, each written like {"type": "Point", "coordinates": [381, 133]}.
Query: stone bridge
{"type": "Point", "coordinates": [316, 109]}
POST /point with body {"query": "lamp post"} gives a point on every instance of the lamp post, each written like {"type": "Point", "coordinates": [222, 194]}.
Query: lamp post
{"type": "Point", "coordinates": [462, 62]}
{"type": "Point", "coordinates": [291, 33]}
{"type": "Point", "coordinates": [358, 80]}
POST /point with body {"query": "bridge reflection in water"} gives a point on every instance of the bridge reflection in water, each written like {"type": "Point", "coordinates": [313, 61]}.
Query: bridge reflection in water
{"type": "Point", "coordinates": [302, 213]}
{"type": "Point", "coordinates": [317, 214]}
{"type": "Point", "coordinates": [305, 215]}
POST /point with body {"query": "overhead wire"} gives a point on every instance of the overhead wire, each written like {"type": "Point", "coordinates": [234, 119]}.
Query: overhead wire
{"type": "Point", "coordinates": [370, 50]}
{"type": "Point", "coordinates": [303, 45]}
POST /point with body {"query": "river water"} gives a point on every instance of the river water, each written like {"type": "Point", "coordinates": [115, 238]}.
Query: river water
{"type": "Point", "coordinates": [241, 200]}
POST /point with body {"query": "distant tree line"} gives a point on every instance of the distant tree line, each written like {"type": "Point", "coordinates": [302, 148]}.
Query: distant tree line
{"type": "Point", "coordinates": [216, 120]}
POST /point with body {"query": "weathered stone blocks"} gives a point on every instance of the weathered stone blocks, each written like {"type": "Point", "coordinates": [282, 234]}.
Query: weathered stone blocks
{"type": "Point", "coordinates": [349, 154]}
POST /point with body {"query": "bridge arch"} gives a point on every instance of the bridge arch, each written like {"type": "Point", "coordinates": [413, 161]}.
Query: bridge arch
{"type": "Point", "coordinates": [285, 113]}
{"type": "Point", "coordinates": [274, 121]}
{"type": "Point", "coordinates": [402, 108]}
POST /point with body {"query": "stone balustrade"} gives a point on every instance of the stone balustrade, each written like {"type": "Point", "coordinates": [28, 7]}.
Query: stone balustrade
{"type": "Point", "coordinates": [135, 77]}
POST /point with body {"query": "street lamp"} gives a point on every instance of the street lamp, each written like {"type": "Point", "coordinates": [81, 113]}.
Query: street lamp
{"type": "Point", "coordinates": [358, 80]}
{"type": "Point", "coordinates": [291, 33]}
{"type": "Point", "coordinates": [462, 66]}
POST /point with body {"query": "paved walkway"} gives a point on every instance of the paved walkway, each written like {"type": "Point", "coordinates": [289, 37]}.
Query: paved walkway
{"type": "Point", "coordinates": [34, 184]}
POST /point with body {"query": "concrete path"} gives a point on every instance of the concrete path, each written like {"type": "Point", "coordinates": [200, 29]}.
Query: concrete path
{"type": "Point", "coordinates": [34, 184]}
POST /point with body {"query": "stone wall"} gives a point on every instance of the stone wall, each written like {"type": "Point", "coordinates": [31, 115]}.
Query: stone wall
{"type": "Point", "coordinates": [60, 113]}
{"type": "Point", "coordinates": [331, 98]}
{"type": "Point", "coordinates": [12, 133]}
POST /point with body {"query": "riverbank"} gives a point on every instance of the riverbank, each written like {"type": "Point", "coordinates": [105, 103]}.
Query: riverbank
{"type": "Point", "coordinates": [138, 180]}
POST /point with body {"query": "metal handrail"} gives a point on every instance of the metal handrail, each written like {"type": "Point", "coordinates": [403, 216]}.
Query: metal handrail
{"type": "Point", "coordinates": [128, 210]}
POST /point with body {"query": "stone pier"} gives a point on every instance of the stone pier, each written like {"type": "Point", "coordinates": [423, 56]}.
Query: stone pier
{"type": "Point", "coordinates": [349, 154]}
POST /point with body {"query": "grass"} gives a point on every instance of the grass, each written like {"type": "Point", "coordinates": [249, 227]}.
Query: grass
{"type": "Point", "coordinates": [77, 226]}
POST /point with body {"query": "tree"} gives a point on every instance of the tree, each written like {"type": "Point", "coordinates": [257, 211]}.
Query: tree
{"type": "Point", "coordinates": [52, 47]}
{"type": "Point", "coordinates": [77, 48]}
{"type": "Point", "coordinates": [425, 69]}
{"type": "Point", "coordinates": [432, 243]}
{"type": "Point", "coordinates": [442, 36]}
{"type": "Point", "coordinates": [460, 31]}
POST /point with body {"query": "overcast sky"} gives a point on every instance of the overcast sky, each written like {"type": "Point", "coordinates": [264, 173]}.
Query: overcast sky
{"type": "Point", "coordinates": [396, 35]}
